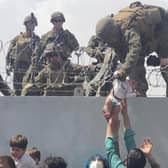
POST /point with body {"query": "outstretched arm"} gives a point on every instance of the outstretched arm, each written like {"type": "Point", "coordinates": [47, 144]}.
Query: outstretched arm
{"type": "Point", "coordinates": [111, 144]}
{"type": "Point", "coordinates": [129, 133]}
{"type": "Point", "coordinates": [146, 147]}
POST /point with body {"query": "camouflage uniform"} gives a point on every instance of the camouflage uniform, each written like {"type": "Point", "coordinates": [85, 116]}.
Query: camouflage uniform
{"type": "Point", "coordinates": [95, 48]}
{"type": "Point", "coordinates": [54, 79]}
{"type": "Point", "coordinates": [19, 55]}
{"type": "Point", "coordinates": [63, 38]}
{"type": "Point", "coordinates": [4, 88]}
{"type": "Point", "coordinates": [135, 32]}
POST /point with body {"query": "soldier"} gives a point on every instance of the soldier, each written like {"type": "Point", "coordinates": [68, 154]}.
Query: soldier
{"type": "Point", "coordinates": [20, 51]}
{"type": "Point", "coordinates": [5, 89]}
{"type": "Point", "coordinates": [58, 78]}
{"type": "Point", "coordinates": [134, 32]}
{"type": "Point", "coordinates": [57, 35]}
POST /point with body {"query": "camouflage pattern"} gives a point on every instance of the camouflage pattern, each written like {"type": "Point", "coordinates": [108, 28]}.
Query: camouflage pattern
{"type": "Point", "coordinates": [52, 81]}
{"type": "Point", "coordinates": [64, 38]}
{"type": "Point", "coordinates": [101, 84]}
{"type": "Point", "coordinates": [58, 77]}
{"type": "Point", "coordinates": [19, 57]}
{"type": "Point", "coordinates": [95, 48]}
{"type": "Point", "coordinates": [143, 30]}
{"type": "Point", "coordinates": [67, 41]}
{"type": "Point", "coordinates": [5, 89]}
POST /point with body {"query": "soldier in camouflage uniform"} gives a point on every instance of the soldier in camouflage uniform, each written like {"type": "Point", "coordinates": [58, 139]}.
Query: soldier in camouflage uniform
{"type": "Point", "coordinates": [5, 89]}
{"type": "Point", "coordinates": [58, 78]}
{"type": "Point", "coordinates": [20, 52]}
{"type": "Point", "coordinates": [57, 35]}
{"type": "Point", "coordinates": [134, 32]}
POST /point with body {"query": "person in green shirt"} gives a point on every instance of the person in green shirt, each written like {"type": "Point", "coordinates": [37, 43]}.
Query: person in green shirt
{"type": "Point", "coordinates": [136, 157]}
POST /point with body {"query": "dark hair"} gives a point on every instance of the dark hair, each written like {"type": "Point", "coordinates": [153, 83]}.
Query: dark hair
{"type": "Point", "coordinates": [55, 162]}
{"type": "Point", "coordinates": [34, 153]}
{"type": "Point", "coordinates": [96, 155]}
{"type": "Point", "coordinates": [19, 141]}
{"type": "Point", "coordinates": [136, 159]}
{"type": "Point", "coordinates": [9, 161]}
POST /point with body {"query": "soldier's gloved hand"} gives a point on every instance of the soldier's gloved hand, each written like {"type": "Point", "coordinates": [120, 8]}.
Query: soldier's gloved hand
{"type": "Point", "coordinates": [120, 74]}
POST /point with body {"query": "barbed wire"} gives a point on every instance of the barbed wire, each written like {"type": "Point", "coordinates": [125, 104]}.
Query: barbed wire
{"type": "Point", "coordinates": [153, 76]}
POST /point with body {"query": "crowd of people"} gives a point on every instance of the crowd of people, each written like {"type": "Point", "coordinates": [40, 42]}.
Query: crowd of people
{"type": "Point", "coordinates": [114, 105]}
{"type": "Point", "coordinates": [41, 65]}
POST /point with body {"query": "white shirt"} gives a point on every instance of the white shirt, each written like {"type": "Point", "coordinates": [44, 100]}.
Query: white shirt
{"type": "Point", "coordinates": [25, 162]}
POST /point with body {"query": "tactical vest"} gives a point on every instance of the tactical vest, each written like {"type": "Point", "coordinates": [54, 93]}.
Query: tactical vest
{"type": "Point", "coordinates": [142, 17]}
{"type": "Point", "coordinates": [24, 47]}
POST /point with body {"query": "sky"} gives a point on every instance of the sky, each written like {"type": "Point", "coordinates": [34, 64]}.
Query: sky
{"type": "Point", "coordinates": [81, 16]}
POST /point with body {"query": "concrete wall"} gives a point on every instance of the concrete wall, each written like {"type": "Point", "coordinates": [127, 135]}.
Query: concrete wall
{"type": "Point", "coordinates": [73, 127]}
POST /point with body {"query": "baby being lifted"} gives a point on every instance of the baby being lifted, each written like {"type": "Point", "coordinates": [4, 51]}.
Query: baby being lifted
{"type": "Point", "coordinates": [119, 93]}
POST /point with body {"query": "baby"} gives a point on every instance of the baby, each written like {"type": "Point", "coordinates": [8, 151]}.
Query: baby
{"type": "Point", "coordinates": [116, 99]}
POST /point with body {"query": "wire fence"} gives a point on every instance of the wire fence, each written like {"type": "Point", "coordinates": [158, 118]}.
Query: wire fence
{"type": "Point", "coordinates": [153, 75]}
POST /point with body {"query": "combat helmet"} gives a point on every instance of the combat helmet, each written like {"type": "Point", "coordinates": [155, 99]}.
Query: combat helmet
{"type": "Point", "coordinates": [108, 30]}
{"type": "Point", "coordinates": [29, 18]}
{"type": "Point", "coordinates": [57, 16]}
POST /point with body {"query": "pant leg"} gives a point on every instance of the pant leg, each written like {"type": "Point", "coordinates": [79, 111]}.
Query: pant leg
{"type": "Point", "coordinates": [139, 75]}
{"type": "Point", "coordinates": [4, 88]}
{"type": "Point", "coordinates": [19, 72]}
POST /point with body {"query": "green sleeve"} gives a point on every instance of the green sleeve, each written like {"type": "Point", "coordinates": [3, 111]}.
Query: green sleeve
{"type": "Point", "coordinates": [11, 50]}
{"type": "Point", "coordinates": [72, 41]}
{"type": "Point", "coordinates": [113, 158]}
{"type": "Point", "coordinates": [129, 139]}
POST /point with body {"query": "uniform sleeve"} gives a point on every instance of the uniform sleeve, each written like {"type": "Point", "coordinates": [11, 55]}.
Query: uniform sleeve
{"type": "Point", "coordinates": [134, 48]}
{"type": "Point", "coordinates": [11, 50]}
{"type": "Point", "coordinates": [113, 158]}
{"type": "Point", "coordinates": [91, 47]}
{"type": "Point", "coordinates": [129, 139]}
{"type": "Point", "coordinates": [72, 41]}
{"type": "Point", "coordinates": [41, 78]}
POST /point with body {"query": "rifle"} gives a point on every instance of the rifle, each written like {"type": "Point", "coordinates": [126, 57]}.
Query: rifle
{"type": "Point", "coordinates": [56, 42]}
{"type": "Point", "coordinates": [37, 62]}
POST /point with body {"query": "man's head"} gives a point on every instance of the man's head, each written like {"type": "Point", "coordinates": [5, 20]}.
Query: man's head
{"type": "Point", "coordinates": [54, 54]}
{"type": "Point", "coordinates": [30, 22]}
{"type": "Point", "coordinates": [35, 154]}
{"type": "Point", "coordinates": [96, 161]}
{"type": "Point", "coordinates": [57, 19]}
{"type": "Point", "coordinates": [108, 30]}
{"type": "Point", "coordinates": [135, 158]}
{"type": "Point", "coordinates": [55, 162]}
{"type": "Point", "coordinates": [7, 162]}
{"type": "Point", "coordinates": [18, 144]}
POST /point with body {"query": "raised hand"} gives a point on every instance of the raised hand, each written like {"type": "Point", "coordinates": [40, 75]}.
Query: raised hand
{"type": "Point", "coordinates": [147, 146]}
